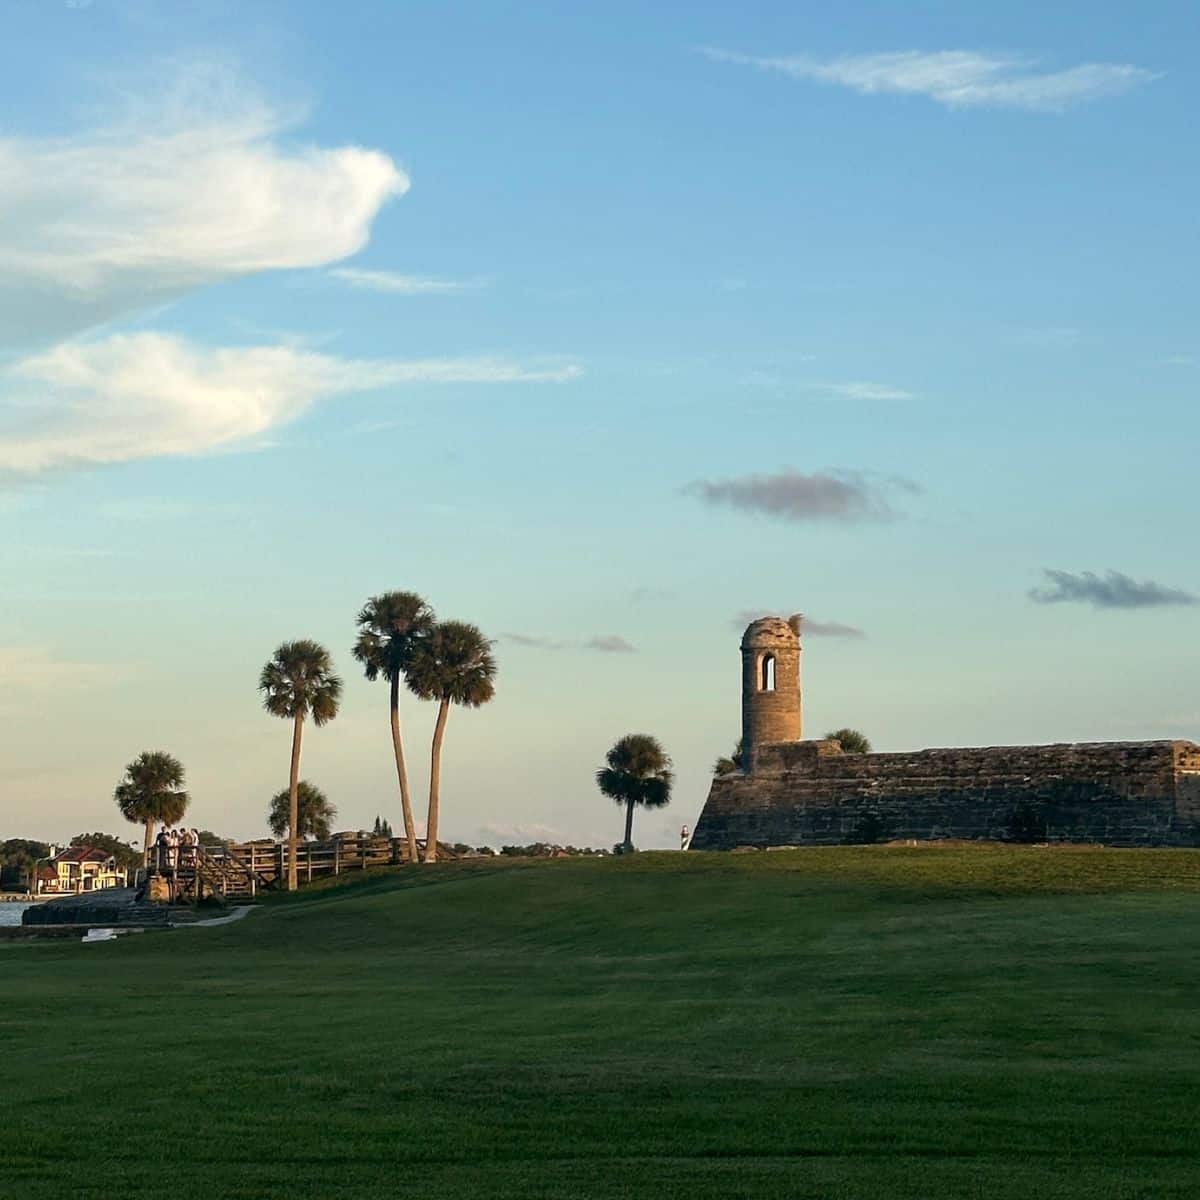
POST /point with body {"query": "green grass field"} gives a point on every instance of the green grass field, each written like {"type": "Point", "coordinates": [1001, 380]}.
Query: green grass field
{"type": "Point", "coordinates": [876, 1022]}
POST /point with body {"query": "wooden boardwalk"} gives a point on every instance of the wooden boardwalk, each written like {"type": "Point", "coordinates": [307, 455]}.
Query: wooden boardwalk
{"type": "Point", "coordinates": [240, 870]}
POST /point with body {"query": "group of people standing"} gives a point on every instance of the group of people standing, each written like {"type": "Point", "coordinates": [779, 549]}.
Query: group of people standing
{"type": "Point", "coordinates": [174, 848]}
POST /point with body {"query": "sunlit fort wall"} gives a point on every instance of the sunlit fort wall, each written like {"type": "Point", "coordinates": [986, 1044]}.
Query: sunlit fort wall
{"type": "Point", "coordinates": [790, 792]}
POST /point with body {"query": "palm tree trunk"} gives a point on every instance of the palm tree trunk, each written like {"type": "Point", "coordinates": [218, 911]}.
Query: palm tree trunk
{"type": "Point", "coordinates": [410, 832]}
{"type": "Point", "coordinates": [435, 781]}
{"type": "Point", "coordinates": [293, 802]}
{"type": "Point", "coordinates": [628, 824]}
{"type": "Point", "coordinates": [146, 842]}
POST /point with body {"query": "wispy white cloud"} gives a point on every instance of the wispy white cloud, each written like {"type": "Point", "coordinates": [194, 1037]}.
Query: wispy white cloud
{"type": "Point", "coordinates": [404, 285]}
{"type": "Point", "coordinates": [868, 391]}
{"type": "Point", "coordinates": [1050, 336]}
{"type": "Point", "coordinates": [143, 395]}
{"type": "Point", "coordinates": [198, 187]}
{"type": "Point", "coordinates": [36, 671]}
{"type": "Point", "coordinates": [956, 78]}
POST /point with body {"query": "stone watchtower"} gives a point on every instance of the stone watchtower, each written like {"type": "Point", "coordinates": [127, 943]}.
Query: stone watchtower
{"type": "Point", "coordinates": [770, 684]}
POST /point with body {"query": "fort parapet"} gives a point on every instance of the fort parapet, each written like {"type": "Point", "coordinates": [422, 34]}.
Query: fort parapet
{"type": "Point", "coordinates": [811, 793]}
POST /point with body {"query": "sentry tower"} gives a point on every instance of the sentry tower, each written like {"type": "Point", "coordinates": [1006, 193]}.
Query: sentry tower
{"type": "Point", "coordinates": [770, 684]}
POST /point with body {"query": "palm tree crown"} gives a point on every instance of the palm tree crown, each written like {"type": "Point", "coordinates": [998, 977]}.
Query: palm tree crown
{"type": "Point", "coordinates": [389, 627]}
{"type": "Point", "coordinates": [315, 815]}
{"type": "Point", "coordinates": [298, 681]}
{"type": "Point", "coordinates": [455, 664]}
{"type": "Point", "coordinates": [152, 791]}
{"type": "Point", "coordinates": [638, 771]}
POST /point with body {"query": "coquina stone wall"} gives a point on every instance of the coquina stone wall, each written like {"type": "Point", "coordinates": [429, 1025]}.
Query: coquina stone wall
{"type": "Point", "coordinates": [812, 794]}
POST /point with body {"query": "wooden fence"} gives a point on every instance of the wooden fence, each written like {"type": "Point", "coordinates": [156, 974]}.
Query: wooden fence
{"type": "Point", "coordinates": [240, 870]}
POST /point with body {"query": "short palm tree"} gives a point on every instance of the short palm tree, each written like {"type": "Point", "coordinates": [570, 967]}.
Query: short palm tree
{"type": "Point", "coordinates": [297, 682]}
{"type": "Point", "coordinates": [638, 771]}
{"type": "Point", "coordinates": [389, 629]}
{"type": "Point", "coordinates": [453, 665]}
{"type": "Point", "coordinates": [852, 741]}
{"type": "Point", "coordinates": [314, 814]}
{"type": "Point", "coordinates": [152, 791]}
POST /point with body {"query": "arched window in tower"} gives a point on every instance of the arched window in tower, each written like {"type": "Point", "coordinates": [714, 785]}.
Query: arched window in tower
{"type": "Point", "coordinates": [766, 677]}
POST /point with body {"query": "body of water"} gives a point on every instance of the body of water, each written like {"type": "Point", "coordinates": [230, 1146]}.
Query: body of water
{"type": "Point", "coordinates": [10, 913]}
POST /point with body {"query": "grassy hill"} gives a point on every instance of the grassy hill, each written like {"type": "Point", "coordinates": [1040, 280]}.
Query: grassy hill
{"type": "Point", "coordinates": [877, 1022]}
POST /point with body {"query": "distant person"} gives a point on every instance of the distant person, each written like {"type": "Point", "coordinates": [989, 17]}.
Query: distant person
{"type": "Point", "coordinates": [172, 849]}
{"type": "Point", "coordinates": [683, 838]}
{"type": "Point", "coordinates": [191, 840]}
{"type": "Point", "coordinates": [160, 851]}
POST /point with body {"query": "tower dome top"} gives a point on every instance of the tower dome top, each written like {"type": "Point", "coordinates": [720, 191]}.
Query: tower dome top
{"type": "Point", "coordinates": [771, 631]}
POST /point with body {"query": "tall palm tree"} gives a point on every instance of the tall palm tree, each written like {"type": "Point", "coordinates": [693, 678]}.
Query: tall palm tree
{"type": "Point", "coordinates": [152, 791]}
{"type": "Point", "coordinates": [389, 628]}
{"type": "Point", "coordinates": [314, 814]}
{"type": "Point", "coordinates": [296, 682]}
{"type": "Point", "coordinates": [853, 742]}
{"type": "Point", "coordinates": [638, 771]}
{"type": "Point", "coordinates": [453, 665]}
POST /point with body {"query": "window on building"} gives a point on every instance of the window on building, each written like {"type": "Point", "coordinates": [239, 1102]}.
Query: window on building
{"type": "Point", "coordinates": [766, 679]}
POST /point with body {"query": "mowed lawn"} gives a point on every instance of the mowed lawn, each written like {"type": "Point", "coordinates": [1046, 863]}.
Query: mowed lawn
{"type": "Point", "coordinates": [878, 1022]}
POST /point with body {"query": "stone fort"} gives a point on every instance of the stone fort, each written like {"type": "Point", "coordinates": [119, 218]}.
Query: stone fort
{"type": "Point", "coordinates": [790, 792]}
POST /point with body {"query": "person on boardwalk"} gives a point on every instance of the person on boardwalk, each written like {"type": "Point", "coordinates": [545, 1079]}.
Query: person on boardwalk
{"type": "Point", "coordinates": [160, 851]}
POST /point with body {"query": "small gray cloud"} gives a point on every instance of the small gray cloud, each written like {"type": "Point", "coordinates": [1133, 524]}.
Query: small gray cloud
{"type": "Point", "coordinates": [1110, 590]}
{"type": "Point", "coordinates": [810, 627]}
{"type": "Point", "coordinates": [790, 495]}
{"type": "Point", "coordinates": [831, 629]}
{"type": "Point", "coordinates": [534, 641]}
{"type": "Point", "coordinates": [605, 643]}
{"type": "Point", "coordinates": [610, 643]}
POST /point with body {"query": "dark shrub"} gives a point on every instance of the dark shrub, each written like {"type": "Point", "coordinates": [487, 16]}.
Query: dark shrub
{"type": "Point", "coordinates": [868, 829]}
{"type": "Point", "coordinates": [1026, 823]}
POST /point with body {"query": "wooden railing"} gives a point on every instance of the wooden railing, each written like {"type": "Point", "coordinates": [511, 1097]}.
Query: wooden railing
{"type": "Point", "coordinates": [243, 869]}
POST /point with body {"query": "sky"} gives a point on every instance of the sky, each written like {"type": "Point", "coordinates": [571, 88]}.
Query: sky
{"type": "Point", "coordinates": [606, 328]}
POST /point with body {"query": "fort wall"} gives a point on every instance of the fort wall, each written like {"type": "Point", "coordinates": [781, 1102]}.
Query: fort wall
{"type": "Point", "coordinates": [812, 794]}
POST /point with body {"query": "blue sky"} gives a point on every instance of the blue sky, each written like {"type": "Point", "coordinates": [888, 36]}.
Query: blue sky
{"type": "Point", "coordinates": [600, 327]}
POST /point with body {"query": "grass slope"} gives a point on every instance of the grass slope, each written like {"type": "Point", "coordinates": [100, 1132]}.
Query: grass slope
{"type": "Point", "coordinates": [881, 1022]}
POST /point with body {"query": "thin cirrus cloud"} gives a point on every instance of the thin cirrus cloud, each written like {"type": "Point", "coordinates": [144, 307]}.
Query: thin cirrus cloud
{"type": "Point", "coordinates": [395, 284]}
{"type": "Point", "coordinates": [1110, 590]}
{"type": "Point", "coordinates": [197, 188]}
{"type": "Point", "coordinates": [955, 78]}
{"type": "Point", "coordinates": [602, 643]}
{"type": "Point", "coordinates": [791, 495]}
{"type": "Point", "coordinates": [142, 395]}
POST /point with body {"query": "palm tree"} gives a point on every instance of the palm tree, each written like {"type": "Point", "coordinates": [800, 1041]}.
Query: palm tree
{"type": "Point", "coordinates": [314, 814]}
{"type": "Point", "coordinates": [297, 681]}
{"type": "Point", "coordinates": [852, 741]}
{"type": "Point", "coordinates": [389, 628]}
{"type": "Point", "coordinates": [735, 762]}
{"type": "Point", "coordinates": [638, 772]}
{"type": "Point", "coordinates": [453, 665]}
{"type": "Point", "coordinates": [152, 791]}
